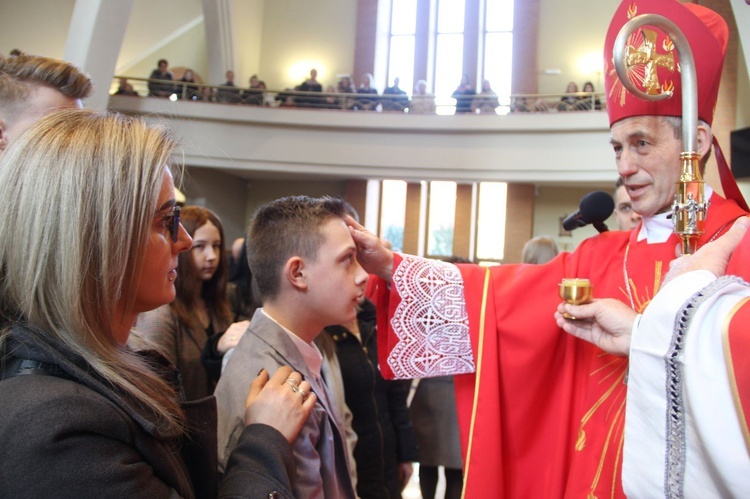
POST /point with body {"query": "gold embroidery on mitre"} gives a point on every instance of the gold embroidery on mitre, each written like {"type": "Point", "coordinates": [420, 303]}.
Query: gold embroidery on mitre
{"type": "Point", "coordinates": [667, 44]}
{"type": "Point", "coordinates": [646, 56]}
{"type": "Point", "coordinates": [618, 93]}
{"type": "Point", "coordinates": [632, 10]}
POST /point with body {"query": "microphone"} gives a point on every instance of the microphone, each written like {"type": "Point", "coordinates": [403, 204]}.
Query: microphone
{"type": "Point", "coordinates": [594, 209]}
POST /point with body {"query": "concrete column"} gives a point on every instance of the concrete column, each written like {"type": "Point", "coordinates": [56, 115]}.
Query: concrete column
{"type": "Point", "coordinates": [217, 18]}
{"type": "Point", "coordinates": [96, 32]}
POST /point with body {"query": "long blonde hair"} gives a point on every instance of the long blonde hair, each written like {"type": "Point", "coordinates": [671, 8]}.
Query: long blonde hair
{"type": "Point", "coordinates": [79, 192]}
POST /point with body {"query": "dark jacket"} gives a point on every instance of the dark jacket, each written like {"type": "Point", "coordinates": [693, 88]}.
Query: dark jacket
{"type": "Point", "coordinates": [381, 419]}
{"type": "Point", "coordinates": [158, 88]}
{"type": "Point", "coordinates": [66, 433]}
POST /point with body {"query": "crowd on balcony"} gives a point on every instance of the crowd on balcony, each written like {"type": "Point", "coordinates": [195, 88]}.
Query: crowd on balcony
{"type": "Point", "coordinates": [346, 95]}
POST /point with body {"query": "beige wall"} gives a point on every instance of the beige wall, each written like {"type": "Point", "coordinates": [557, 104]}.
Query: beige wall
{"type": "Point", "coordinates": [221, 193]}
{"type": "Point", "coordinates": [248, 33]}
{"type": "Point", "coordinates": [235, 200]}
{"type": "Point", "coordinates": [571, 33]}
{"type": "Point", "coordinates": [167, 29]}
{"type": "Point", "coordinates": [300, 35]}
{"type": "Point", "coordinates": [38, 27]}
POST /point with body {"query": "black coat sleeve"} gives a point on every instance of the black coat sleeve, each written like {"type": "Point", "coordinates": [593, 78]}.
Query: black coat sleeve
{"type": "Point", "coordinates": [262, 465]}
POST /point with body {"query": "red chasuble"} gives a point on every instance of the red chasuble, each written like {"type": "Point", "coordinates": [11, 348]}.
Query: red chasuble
{"type": "Point", "coordinates": [737, 340]}
{"type": "Point", "coordinates": [543, 414]}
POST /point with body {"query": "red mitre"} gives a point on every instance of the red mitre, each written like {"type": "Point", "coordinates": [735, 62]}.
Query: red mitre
{"type": "Point", "coordinates": [706, 32]}
{"type": "Point", "coordinates": [708, 35]}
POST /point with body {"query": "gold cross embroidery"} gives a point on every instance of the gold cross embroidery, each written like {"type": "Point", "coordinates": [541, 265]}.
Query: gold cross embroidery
{"type": "Point", "coordinates": [646, 55]}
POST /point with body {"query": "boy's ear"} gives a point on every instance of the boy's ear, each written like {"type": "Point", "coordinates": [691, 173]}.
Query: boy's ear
{"type": "Point", "coordinates": [294, 272]}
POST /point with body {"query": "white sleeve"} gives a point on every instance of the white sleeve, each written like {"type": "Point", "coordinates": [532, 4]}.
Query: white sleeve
{"type": "Point", "coordinates": [682, 432]}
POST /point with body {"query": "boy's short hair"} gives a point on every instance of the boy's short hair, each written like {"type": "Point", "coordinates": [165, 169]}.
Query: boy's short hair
{"type": "Point", "coordinates": [20, 74]}
{"type": "Point", "coordinates": [284, 228]}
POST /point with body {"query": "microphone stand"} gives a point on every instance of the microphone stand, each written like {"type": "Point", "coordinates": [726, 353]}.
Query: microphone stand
{"type": "Point", "coordinates": [690, 205]}
{"type": "Point", "coordinates": [600, 226]}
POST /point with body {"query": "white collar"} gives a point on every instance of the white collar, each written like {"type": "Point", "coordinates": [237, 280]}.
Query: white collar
{"type": "Point", "coordinates": [658, 228]}
{"type": "Point", "coordinates": [309, 351]}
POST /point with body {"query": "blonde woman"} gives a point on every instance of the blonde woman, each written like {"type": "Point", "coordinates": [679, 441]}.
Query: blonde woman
{"type": "Point", "coordinates": [91, 238]}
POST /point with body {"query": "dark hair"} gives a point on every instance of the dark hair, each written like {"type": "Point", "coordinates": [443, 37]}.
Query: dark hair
{"type": "Point", "coordinates": [164, 61]}
{"type": "Point", "coordinates": [285, 228]}
{"type": "Point", "coordinates": [189, 285]}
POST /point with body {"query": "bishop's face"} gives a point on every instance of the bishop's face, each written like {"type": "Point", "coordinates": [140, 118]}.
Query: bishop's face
{"type": "Point", "coordinates": [648, 160]}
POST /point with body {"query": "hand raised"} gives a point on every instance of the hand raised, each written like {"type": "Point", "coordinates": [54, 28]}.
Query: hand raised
{"type": "Point", "coordinates": [372, 254]}
{"type": "Point", "coordinates": [232, 336]}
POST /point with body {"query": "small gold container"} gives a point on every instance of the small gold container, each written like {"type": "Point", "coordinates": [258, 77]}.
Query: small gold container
{"type": "Point", "coordinates": [576, 292]}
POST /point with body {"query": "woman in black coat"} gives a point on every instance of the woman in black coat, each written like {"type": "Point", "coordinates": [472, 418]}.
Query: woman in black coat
{"type": "Point", "coordinates": [91, 238]}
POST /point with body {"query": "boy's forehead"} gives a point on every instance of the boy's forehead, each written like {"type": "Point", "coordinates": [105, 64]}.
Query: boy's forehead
{"type": "Point", "coordinates": [335, 229]}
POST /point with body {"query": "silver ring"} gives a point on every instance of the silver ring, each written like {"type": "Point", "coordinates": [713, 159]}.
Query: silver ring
{"type": "Point", "coordinates": [292, 382]}
{"type": "Point", "coordinates": [302, 392]}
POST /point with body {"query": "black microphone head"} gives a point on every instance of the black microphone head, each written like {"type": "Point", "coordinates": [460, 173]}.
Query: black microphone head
{"type": "Point", "coordinates": [596, 206]}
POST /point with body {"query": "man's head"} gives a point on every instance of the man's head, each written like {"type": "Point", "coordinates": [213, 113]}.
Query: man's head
{"type": "Point", "coordinates": [627, 219]}
{"type": "Point", "coordinates": [646, 135]}
{"type": "Point", "coordinates": [32, 87]}
{"type": "Point", "coordinates": [303, 244]}
{"type": "Point", "coordinates": [230, 76]}
{"type": "Point", "coordinates": [163, 65]}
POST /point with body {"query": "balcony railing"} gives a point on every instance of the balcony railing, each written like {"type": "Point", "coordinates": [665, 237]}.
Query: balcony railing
{"type": "Point", "coordinates": [200, 92]}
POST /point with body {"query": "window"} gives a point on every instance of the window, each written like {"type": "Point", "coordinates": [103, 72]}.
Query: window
{"type": "Point", "coordinates": [439, 200]}
{"type": "Point", "coordinates": [401, 53]}
{"type": "Point", "coordinates": [491, 221]}
{"type": "Point", "coordinates": [498, 49]}
{"type": "Point", "coordinates": [442, 217]}
{"type": "Point", "coordinates": [449, 50]}
{"type": "Point", "coordinates": [393, 212]}
{"type": "Point", "coordinates": [442, 30]}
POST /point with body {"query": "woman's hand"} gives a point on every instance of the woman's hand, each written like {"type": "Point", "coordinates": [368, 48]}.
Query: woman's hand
{"type": "Point", "coordinates": [283, 402]}
{"type": "Point", "coordinates": [232, 336]}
